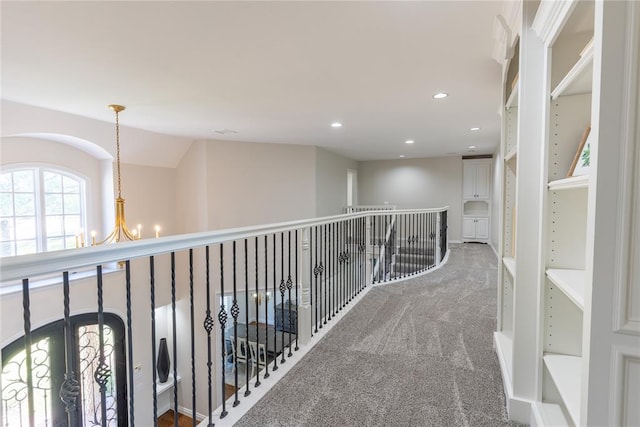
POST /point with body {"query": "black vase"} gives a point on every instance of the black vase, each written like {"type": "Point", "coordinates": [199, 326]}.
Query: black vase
{"type": "Point", "coordinates": [163, 361]}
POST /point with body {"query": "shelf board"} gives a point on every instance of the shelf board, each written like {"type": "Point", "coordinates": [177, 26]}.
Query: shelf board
{"type": "Point", "coordinates": [510, 264]}
{"type": "Point", "coordinates": [162, 387]}
{"type": "Point", "coordinates": [549, 414]}
{"type": "Point", "coordinates": [572, 183]}
{"type": "Point", "coordinates": [511, 154]}
{"type": "Point", "coordinates": [566, 374]}
{"type": "Point", "coordinates": [513, 98]}
{"type": "Point", "coordinates": [571, 282]}
{"type": "Point", "coordinates": [578, 80]}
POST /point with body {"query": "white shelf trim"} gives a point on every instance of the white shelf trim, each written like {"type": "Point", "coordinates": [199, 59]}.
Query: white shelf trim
{"type": "Point", "coordinates": [162, 387]}
{"type": "Point", "coordinates": [510, 265]}
{"type": "Point", "coordinates": [513, 97]}
{"type": "Point", "coordinates": [504, 347]}
{"type": "Point", "coordinates": [574, 182]}
{"type": "Point", "coordinates": [566, 374]}
{"type": "Point", "coordinates": [571, 282]}
{"type": "Point", "coordinates": [579, 79]}
{"type": "Point", "coordinates": [511, 154]}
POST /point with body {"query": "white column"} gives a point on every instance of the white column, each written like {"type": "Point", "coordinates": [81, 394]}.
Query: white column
{"type": "Point", "coordinates": [369, 249]}
{"type": "Point", "coordinates": [304, 309]}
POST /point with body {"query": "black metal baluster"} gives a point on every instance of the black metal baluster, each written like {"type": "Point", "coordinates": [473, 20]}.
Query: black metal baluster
{"type": "Point", "coordinates": [297, 284]}
{"type": "Point", "coordinates": [26, 313]}
{"type": "Point", "coordinates": [266, 304]}
{"type": "Point", "coordinates": [222, 320]}
{"type": "Point", "coordinates": [283, 288]}
{"type": "Point", "coordinates": [341, 268]}
{"type": "Point", "coordinates": [193, 342]}
{"type": "Point", "coordinates": [324, 269]}
{"type": "Point", "coordinates": [208, 326]}
{"type": "Point", "coordinates": [175, 339]}
{"type": "Point", "coordinates": [374, 238]}
{"type": "Point", "coordinates": [312, 269]}
{"type": "Point", "coordinates": [316, 271]}
{"type": "Point", "coordinates": [247, 392]}
{"type": "Point", "coordinates": [336, 269]}
{"type": "Point", "coordinates": [127, 266]}
{"type": "Point", "coordinates": [102, 373]}
{"type": "Point", "coordinates": [257, 317]}
{"type": "Point", "coordinates": [330, 269]}
{"type": "Point", "coordinates": [152, 282]}
{"type": "Point", "coordinates": [70, 388]}
{"type": "Point", "coordinates": [289, 286]}
{"type": "Point", "coordinates": [235, 311]}
{"type": "Point", "coordinates": [275, 336]}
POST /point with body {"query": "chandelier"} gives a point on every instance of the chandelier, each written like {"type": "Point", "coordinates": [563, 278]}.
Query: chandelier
{"type": "Point", "coordinates": [120, 232]}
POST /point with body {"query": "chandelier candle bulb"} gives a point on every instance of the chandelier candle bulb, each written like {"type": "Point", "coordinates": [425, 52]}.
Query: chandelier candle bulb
{"type": "Point", "coordinates": [157, 228]}
{"type": "Point", "coordinates": [139, 227]}
{"type": "Point", "coordinates": [93, 237]}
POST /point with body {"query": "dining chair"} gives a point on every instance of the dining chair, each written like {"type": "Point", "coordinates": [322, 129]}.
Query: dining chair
{"type": "Point", "coordinates": [241, 352]}
{"type": "Point", "coordinates": [258, 356]}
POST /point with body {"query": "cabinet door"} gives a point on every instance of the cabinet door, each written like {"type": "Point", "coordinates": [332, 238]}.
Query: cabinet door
{"type": "Point", "coordinates": [482, 228]}
{"type": "Point", "coordinates": [468, 228]}
{"type": "Point", "coordinates": [469, 181]}
{"type": "Point", "coordinates": [482, 181]}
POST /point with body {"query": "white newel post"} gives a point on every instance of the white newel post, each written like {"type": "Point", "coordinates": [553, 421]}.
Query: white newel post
{"type": "Point", "coordinates": [369, 250]}
{"type": "Point", "coordinates": [304, 310]}
{"type": "Point", "coordinates": [438, 237]}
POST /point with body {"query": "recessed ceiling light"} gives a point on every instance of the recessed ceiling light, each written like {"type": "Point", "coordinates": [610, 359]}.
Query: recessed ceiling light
{"type": "Point", "coordinates": [409, 141]}
{"type": "Point", "coordinates": [472, 147]}
{"type": "Point", "coordinates": [474, 129]}
{"type": "Point", "coordinates": [401, 156]}
{"type": "Point", "coordinates": [336, 125]}
{"type": "Point", "coordinates": [440, 95]}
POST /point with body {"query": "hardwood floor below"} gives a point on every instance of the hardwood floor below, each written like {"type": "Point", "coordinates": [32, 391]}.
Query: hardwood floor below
{"type": "Point", "coordinates": [166, 420]}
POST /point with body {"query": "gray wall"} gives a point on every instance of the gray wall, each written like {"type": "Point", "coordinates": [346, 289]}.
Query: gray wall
{"type": "Point", "coordinates": [331, 182]}
{"type": "Point", "coordinates": [415, 183]}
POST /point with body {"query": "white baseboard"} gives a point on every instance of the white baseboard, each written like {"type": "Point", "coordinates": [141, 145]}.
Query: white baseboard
{"type": "Point", "coordinates": [455, 241]}
{"type": "Point", "coordinates": [494, 250]}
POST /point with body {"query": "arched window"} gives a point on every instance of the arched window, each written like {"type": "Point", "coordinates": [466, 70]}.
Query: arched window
{"type": "Point", "coordinates": [48, 369]}
{"type": "Point", "coordinates": [41, 209]}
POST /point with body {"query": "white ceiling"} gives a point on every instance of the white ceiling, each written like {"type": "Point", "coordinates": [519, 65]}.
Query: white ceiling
{"type": "Point", "coordinates": [272, 71]}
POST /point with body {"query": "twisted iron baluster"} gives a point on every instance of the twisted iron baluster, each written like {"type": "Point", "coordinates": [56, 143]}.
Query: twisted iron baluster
{"type": "Point", "coordinates": [289, 286]}
{"type": "Point", "coordinates": [152, 282]}
{"type": "Point", "coordinates": [127, 266]}
{"type": "Point", "coordinates": [247, 392]}
{"type": "Point", "coordinates": [193, 340]}
{"type": "Point", "coordinates": [26, 315]}
{"type": "Point", "coordinates": [283, 288]}
{"type": "Point", "coordinates": [235, 311]}
{"type": "Point", "coordinates": [257, 316]}
{"type": "Point", "coordinates": [70, 388]}
{"type": "Point", "coordinates": [222, 320]}
{"type": "Point", "coordinates": [275, 340]}
{"type": "Point", "coordinates": [175, 339]}
{"type": "Point", "coordinates": [102, 374]}
{"type": "Point", "coordinates": [297, 348]}
{"type": "Point", "coordinates": [266, 304]}
{"type": "Point", "coordinates": [208, 326]}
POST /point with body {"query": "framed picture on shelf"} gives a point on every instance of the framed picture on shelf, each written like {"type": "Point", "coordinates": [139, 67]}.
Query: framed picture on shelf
{"type": "Point", "coordinates": [582, 159]}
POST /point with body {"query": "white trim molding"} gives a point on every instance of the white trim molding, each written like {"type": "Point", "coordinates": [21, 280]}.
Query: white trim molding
{"type": "Point", "coordinates": [625, 362]}
{"type": "Point", "coordinates": [551, 17]}
{"type": "Point", "coordinates": [627, 278]}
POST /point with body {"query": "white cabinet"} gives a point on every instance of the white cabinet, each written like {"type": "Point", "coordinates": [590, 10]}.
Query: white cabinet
{"type": "Point", "coordinates": [476, 179]}
{"type": "Point", "coordinates": [475, 229]}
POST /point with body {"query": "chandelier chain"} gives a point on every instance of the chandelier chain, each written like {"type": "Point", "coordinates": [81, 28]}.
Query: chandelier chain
{"type": "Point", "coordinates": [118, 154]}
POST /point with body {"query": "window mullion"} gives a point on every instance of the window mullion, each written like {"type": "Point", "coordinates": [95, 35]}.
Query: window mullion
{"type": "Point", "coordinates": [41, 232]}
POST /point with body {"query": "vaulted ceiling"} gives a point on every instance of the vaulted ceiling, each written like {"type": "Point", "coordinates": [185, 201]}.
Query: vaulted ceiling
{"type": "Point", "coordinates": [265, 71]}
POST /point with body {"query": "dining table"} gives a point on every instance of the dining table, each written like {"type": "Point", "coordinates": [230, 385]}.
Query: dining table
{"type": "Point", "coordinates": [263, 334]}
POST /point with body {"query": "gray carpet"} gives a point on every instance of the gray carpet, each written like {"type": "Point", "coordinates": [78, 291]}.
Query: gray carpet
{"type": "Point", "coordinates": [416, 353]}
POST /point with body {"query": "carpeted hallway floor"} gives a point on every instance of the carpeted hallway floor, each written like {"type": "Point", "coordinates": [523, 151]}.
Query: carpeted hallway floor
{"type": "Point", "coordinates": [416, 353]}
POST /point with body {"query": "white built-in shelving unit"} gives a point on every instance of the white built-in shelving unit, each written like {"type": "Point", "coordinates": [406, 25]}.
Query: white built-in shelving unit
{"type": "Point", "coordinates": [567, 338]}
{"type": "Point", "coordinates": [476, 200]}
